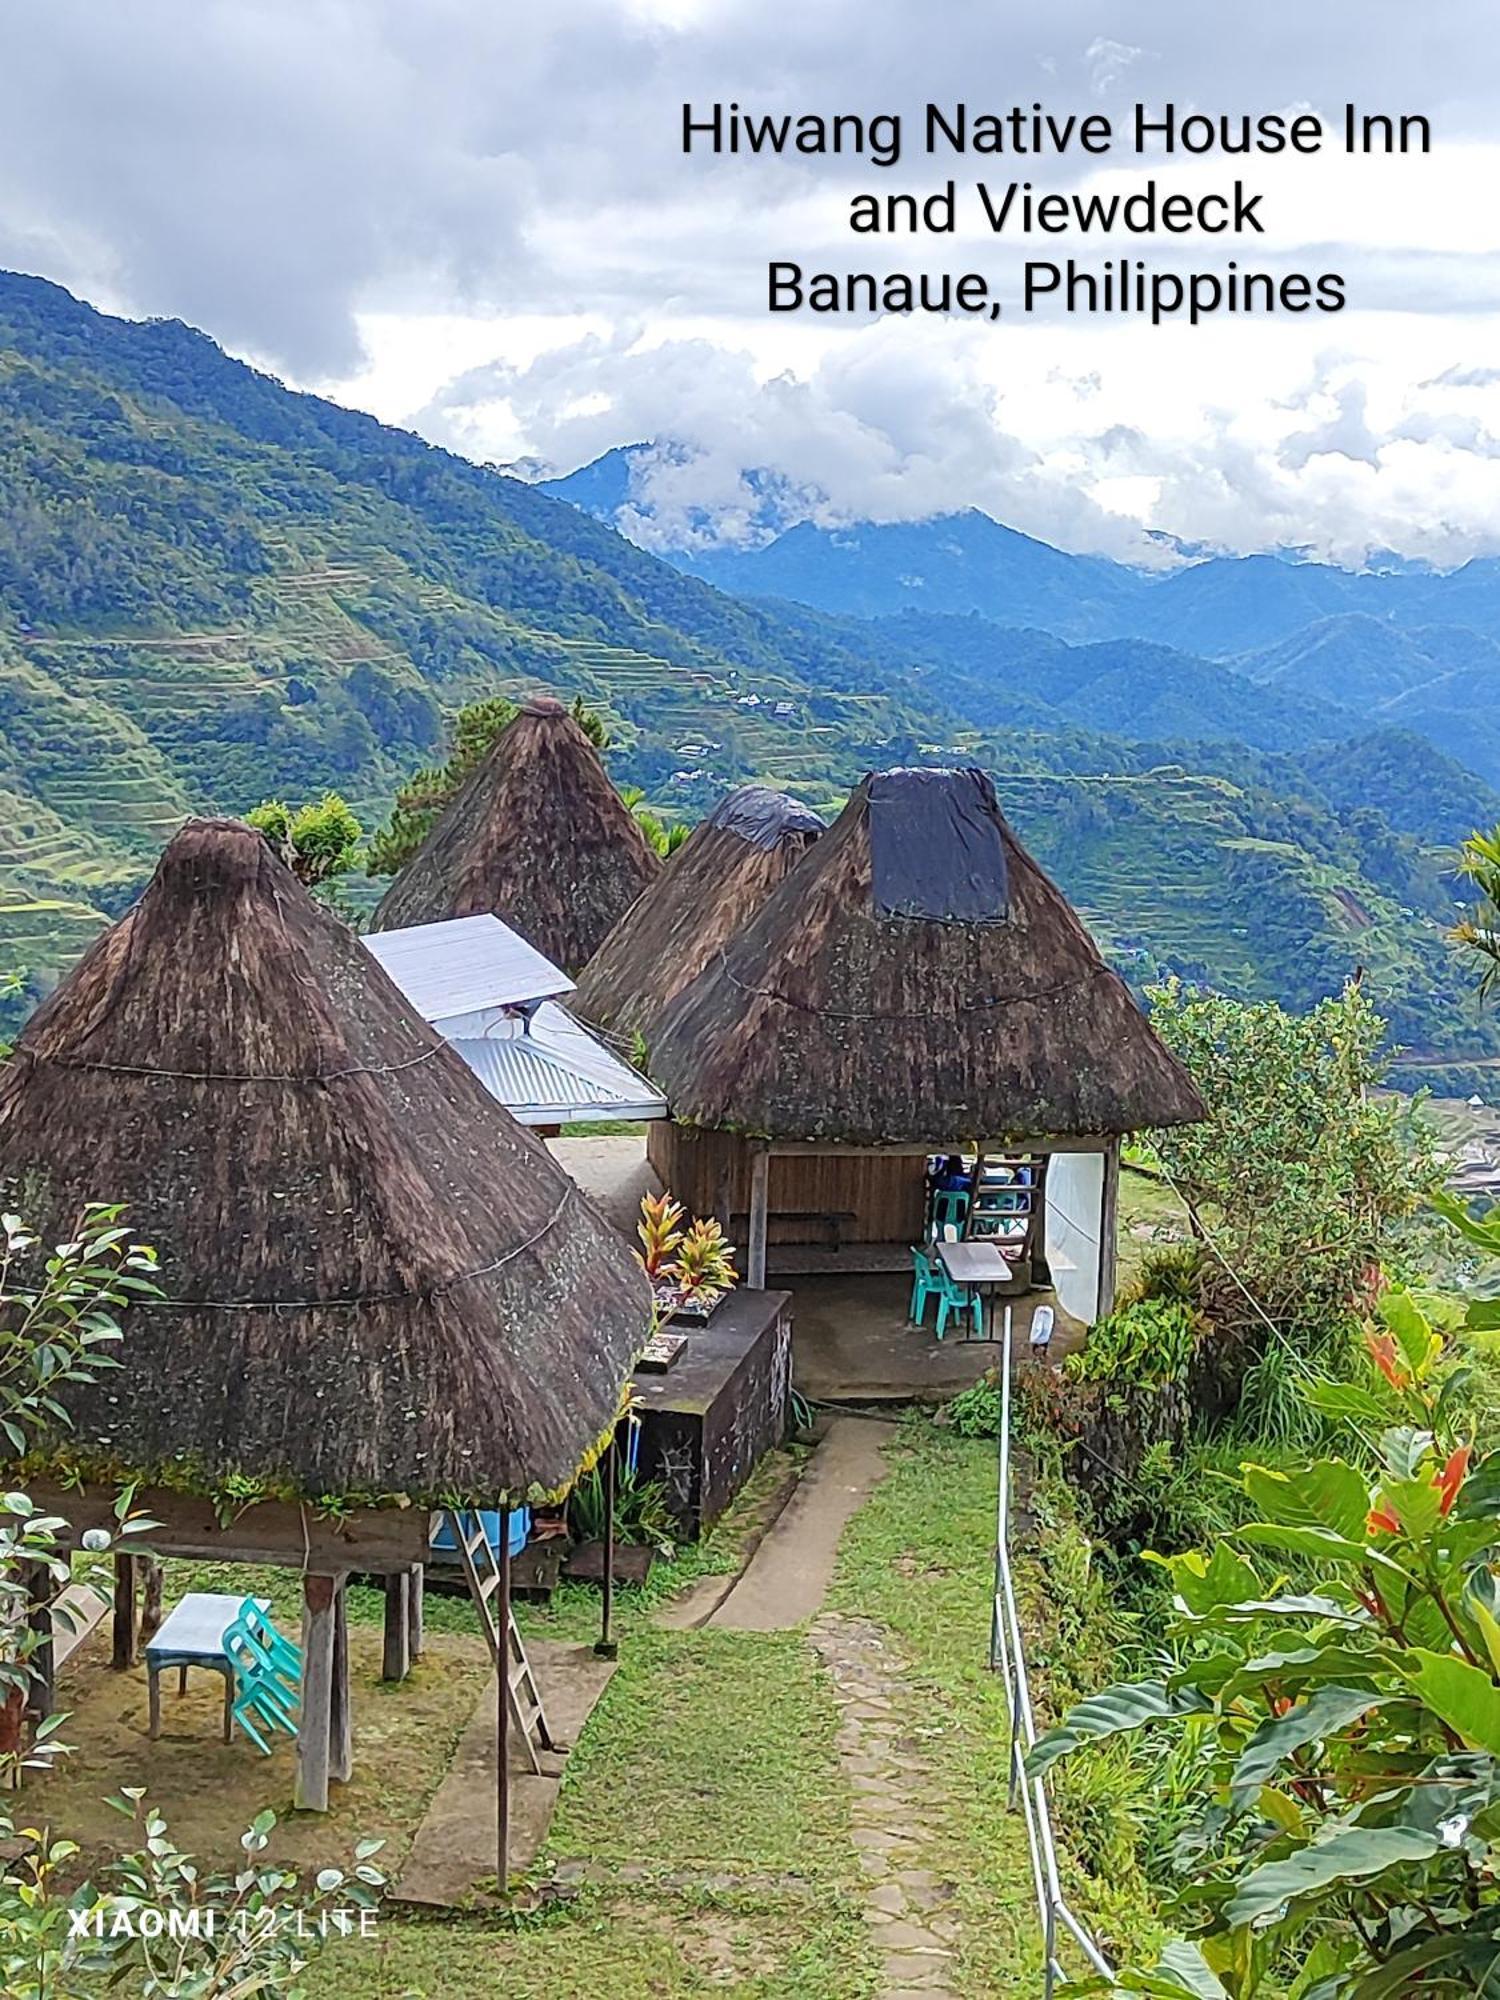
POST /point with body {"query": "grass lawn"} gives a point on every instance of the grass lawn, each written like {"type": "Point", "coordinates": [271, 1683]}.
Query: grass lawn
{"type": "Point", "coordinates": [1149, 1214]}
{"type": "Point", "coordinates": [919, 1559]}
{"type": "Point", "coordinates": [706, 1801]}
{"type": "Point", "coordinates": [702, 1842]}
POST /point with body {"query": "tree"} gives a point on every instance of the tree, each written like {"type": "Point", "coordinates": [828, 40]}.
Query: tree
{"type": "Point", "coordinates": [317, 842]}
{"type": "Point", "coordinates": [1479, 932]}
{"type": "Point", "coordinates": [1346, 1726]}
{"type": "Point", "coordinates": [1301, 1179]}
{"type": "Point", "coordinates": [662, 838]}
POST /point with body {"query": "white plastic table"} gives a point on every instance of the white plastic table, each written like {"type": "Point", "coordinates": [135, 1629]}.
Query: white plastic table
{"type": "Point", "coordinates": [976, 1261]}
{"type": "Point", "coordinates": [192, 1635]}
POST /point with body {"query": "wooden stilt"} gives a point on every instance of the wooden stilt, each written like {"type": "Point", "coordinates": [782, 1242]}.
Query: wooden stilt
{"type": "Point", "coordinates": [605, 1646]}
{"type": "Point", "coordinates": [340, 1712]}
{"type": "Point", "coordinates": [41, 1695]}
{"type": "Point", "coordinates": [151, 1592]}
{"type": "Point", "coordinates": [313, 1735]}
{"type": "Point", "coordinates": [395, 1659]}
{"type": "Point", "coordinates": [125, 1629]}
{"type": "Point", "coordinates": [502, 1715]}
{"type": "Point", "coordinates": [417, 1587]}
{"type": "Point", "coordinates": [760, 1191]}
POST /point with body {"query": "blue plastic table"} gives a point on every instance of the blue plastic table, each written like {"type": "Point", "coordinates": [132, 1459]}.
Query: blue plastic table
{"type": "Point", "coordinates": [192, 1635]}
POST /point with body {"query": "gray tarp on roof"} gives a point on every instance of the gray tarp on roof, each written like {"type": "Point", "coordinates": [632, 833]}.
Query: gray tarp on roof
{"type": "Point", "coordinates": [763, 817]}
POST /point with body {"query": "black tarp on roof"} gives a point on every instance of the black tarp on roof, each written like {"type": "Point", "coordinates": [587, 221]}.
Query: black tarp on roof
{"type": "Point", "coordinates": [935, 847]}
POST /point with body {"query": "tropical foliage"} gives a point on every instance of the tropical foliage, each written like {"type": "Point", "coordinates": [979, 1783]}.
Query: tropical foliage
{"type": "Point", "coordinates": [317, 842]}
{"type": "Point", "coordinates": [1334, 1675]}
{"type": "Point", "coordinates": [687, 1262]}
{"type": "Point", "coordinates": [1479, 931]}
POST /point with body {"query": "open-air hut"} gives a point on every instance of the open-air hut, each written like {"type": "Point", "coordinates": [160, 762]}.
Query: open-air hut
{"type": "Point", "coordinates": [537, 836]}
{"type": "Point", "coordinates": [709, 890]}
{"type": "Point", "coordinates": [916, 985]}
{"type": "Point", "coordinates": [378, 1290]}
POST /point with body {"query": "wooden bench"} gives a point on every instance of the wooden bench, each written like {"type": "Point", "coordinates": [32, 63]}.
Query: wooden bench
{"type": "Point", "coordinates": [833, 1220]}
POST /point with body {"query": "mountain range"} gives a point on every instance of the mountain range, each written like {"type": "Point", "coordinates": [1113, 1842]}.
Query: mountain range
{"type": "Point", "coordinates": [1397, 643]}
{"type": "Point", "coordinates": [214, 590]}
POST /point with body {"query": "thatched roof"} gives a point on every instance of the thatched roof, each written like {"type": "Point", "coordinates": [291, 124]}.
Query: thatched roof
{"type": "Point", "coordinates": [916, 979]}
{"type": "Point", "coordinates": [709, 890]}
{"type": "Point", "coordinates": [376, 1282]}
{"type": "Point", "coordinates": [538, 836]}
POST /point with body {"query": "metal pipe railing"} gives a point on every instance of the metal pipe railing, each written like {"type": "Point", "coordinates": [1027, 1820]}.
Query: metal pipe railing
{"type": "Point", "coordinates": [1008, 1657]}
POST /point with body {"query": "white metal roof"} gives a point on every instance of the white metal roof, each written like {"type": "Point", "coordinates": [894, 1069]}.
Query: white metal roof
{"type": "Point", "coordinates": [492, 996]}
{"type": "Point", "coordinates": [459, 973]}
{"type": "Point", "coordinates": [557, 1072]}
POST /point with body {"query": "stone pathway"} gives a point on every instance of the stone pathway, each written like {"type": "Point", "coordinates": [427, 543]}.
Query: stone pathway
{"type": "Point", "coordinates": [906, 1904]}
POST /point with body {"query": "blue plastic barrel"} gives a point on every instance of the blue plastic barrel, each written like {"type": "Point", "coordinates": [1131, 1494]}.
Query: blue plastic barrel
{"type": "Point", "coordinates": [520, 1528]}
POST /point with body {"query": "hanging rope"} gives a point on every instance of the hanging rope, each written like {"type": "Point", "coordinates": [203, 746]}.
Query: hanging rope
{"type": "Point", "coordinates": [233, 1076]}
{"type": "Point", "coordinates": [352, 1299]}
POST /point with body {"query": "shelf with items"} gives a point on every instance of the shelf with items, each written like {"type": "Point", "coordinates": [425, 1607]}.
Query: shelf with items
{"type": "Point", "coordinates": [1006, 1206]}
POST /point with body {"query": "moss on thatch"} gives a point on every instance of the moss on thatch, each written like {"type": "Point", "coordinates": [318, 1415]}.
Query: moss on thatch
{"type": "Point", "coordinates": [377, 1282]}
{"type": "Point", "coordinates": [709, 890]}
{"type": "Point", "coordinates": [916, 979]}
{"type": "Point", "coordinates": [536, 835]}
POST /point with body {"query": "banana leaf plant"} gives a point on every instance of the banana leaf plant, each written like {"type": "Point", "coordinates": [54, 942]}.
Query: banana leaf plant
{"type": "Point", "coordinates": [1338, 1672]}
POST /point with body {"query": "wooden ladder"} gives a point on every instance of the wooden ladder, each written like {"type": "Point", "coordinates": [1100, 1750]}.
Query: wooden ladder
{"type": "Point", "coordinates": [482, 1572]}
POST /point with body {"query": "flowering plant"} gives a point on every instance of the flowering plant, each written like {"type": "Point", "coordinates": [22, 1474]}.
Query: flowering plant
{"type": "Point", "coordinates": [1336, 1671]}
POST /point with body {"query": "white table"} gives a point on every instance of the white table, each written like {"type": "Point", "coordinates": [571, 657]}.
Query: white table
{"type": "Point", "coordinates": [192, 1635]}
{"type": "Point", "coordinates": [976, 1261]}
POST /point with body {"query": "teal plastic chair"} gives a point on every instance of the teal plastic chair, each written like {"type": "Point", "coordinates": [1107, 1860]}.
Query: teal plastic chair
{"type": "Point", "coordinates": [950, 1205]}
{"type": "Point", "coordinates": [286, 1658]}
{"type": "Point", "coordinates": [266, 1694]}
{"type": "Point", "coordinates": [958, 1299]}
{"type": "Point", "coordinates": [926, 1284]}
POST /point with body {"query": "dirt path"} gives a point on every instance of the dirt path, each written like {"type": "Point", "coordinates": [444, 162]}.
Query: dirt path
{"type": "Point", "coordinates": [905, 1903]}
{"type": "Point", "coordinates": [785, 1585]}
{"type": "Point", "coordinates": [787, 1578]}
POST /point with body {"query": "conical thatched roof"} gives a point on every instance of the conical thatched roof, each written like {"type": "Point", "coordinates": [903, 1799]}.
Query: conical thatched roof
{"type": "Point", "coordinates": [709, 890]}
{"type": "Point", "coordinates": [916, 979]}
{"type": "Point", "coordinates": [538, 836]}
{"type": "Point", "coordinates": [376, 1282]}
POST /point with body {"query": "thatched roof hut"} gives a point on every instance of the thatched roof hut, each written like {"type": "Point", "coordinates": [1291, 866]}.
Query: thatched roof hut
{"type": "Point", "coordinates": [709, 890]}
{"type": "Point", "coordinates": [538, 836]}
{"type": "Point", "coordinates": [376, 1282]}
{"type": "Point", "coordinates": [916, 978]}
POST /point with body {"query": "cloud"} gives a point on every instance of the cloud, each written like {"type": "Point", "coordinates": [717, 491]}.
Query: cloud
{"type": "Point", "coordinates": [1108, 61]}
{"type": "Point", "coordinates": [421, 207]}
{"type": "Point", "coordinates": [1463, 378]}
{"type": "Point", "coordinates": [898, 422]}
{"type": "Point", "coordinates": [272, 169]}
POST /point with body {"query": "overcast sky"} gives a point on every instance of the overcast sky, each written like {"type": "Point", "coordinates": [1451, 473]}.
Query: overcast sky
{"type": "Point", "coordinates": [474, 217]}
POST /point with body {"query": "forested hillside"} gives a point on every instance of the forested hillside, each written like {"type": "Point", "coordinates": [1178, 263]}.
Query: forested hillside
{"type": "Point", "coordinates": [213, 590]}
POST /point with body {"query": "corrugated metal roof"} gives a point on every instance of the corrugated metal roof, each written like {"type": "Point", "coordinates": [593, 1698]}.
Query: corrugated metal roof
{"type": "Point", "coordinates": [466, 966]}
{"type": "Point", "coordinates": [558, 1073]}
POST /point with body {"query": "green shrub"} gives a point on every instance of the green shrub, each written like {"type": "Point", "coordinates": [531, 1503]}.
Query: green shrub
{"type": "Point", "coordinates": [1145, 1344]}
{"type": "Point", "coordinates": [975, 1412]}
